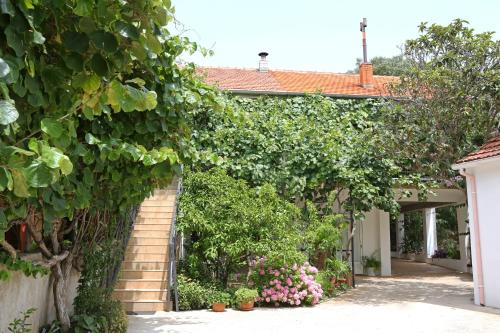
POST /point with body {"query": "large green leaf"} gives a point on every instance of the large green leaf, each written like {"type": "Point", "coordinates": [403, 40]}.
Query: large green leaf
{"type": "Point", "coordinates": [7, 8]}
{"type": "Point", "coordinates": [38, 175]}
{"type": "Point", "coordinates": [20, 184]}
{"type": "Point", "coordinates": [74, 61]}
{"type": "Point", "coordinates": [99, 65]}
{"type": "Point", "coordinates": [105, 41]}
{"type": "Point", "coordinates": [6, 181]}
{"type": "Point", "coordinates": [52, 127]}
{"type": "Point", "coordinates": [84, 7]}
{"type": "Point", "coordinates": [4, 68]}
{"type": "Point", "coordinates": [8, 112]}
{"type": "Point", "coordinates": [65, 165]}
{"type": "Point", "coordinates": [127, 30]}
{"type": "Point", "coordinates": [75, 41]}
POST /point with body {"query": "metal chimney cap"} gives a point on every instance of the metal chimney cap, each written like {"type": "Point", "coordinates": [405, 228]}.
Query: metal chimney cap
{"type": "Point", "coordinates": [263, 54]}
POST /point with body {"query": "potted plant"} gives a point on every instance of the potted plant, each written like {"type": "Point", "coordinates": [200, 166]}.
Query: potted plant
{"type": "Point", "coordinates": [245, 298]}
{"type": "Point", "coordinates": [219, 300]}
{"type": "Point", "coordinates": [371, 265]}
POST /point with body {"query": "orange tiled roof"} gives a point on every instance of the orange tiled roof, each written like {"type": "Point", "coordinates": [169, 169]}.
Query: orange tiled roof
{"type": "Point", "coordinates": [284, 81]}
{"type": "Point", "coordinates": [489, 149]}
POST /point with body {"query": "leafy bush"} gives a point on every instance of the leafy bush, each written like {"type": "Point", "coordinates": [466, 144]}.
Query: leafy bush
{"type": "Point", "coordinates": [370, 262]}
{"type": "Point", "coordinates": [53, 327]}
{"type": "Point", "coordinates": [245, 295]}
{"type": "Point", "coordinates": [289, 285]}
{"type": "Point", "coordinates": [20, 325]}
{"type": "Point", "coordinates": [192, 294]}
{"type": "Point", "coordinates": [218, 296]}
{"type": "Point", "coordinates": [336, 268]}
{"type": "Point", "coordinates": [87, 324]}
{"type": "Point", "coordinates": [94, 297]}
{"type": "Point", "coordinates": [323, 235]}
{"type": "Point", "coordinates": [227, 223]}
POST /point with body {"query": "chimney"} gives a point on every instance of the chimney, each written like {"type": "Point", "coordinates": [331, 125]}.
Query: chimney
{"type": "Point", "coordinates": [365, 68]}
{"type": "Point", "coordinates": [263, 67]}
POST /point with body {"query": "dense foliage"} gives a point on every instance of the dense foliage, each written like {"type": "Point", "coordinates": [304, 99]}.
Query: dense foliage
{"type": "Point", "coordinates": [192, 294]}
{"type": "Point", "coordinates": [450, 98]}
{"type": "Point", "coordinates": [227, 223]}
{"type": "Point", "coordinates": [307, 147]}
{"type": "Point", "coordinates": [92, 116]}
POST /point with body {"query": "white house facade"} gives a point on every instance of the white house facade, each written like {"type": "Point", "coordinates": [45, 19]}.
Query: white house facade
{"type": "Point", "coordinates": [482, 171]}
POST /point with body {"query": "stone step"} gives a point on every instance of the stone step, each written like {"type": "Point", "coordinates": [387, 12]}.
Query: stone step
{"type": "Point", "coordinates": [146, 306]}
{"type": "Point", "coordinates": [140, 294]}
{"type": "Point", "coordinates": [164, 192]}
{"type": "Point", "coordinates": [157, 209]}
{"type": "Point", "coordinates": [157, 215]}
{"type": "Point", "coordinates": [166, 202]}
{"type": "Point", "coordinates": [152, 257]}
{"type": "Point", "coordinates": [153, 249]}
{"type": "Point", "coordinates": [152, 226]}
{"type": "Point", "coordinates": [148, 241]}
{"type": "Point", "coordinates": [144, 265]}
{"type": "Point", "coordinates": [151, 233]}
{"type": "Point", "coordinates": [141, 284]}
{"type": "Point", "coordinates": [140, 274]}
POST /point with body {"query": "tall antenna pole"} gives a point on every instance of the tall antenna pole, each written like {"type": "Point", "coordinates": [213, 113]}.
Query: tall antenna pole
{"type": "Point", "coordinates": [362, 28]}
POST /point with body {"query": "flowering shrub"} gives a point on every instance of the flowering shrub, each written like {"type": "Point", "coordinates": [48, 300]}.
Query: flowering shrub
{"type": "Point", "coordinates": [294, 286]}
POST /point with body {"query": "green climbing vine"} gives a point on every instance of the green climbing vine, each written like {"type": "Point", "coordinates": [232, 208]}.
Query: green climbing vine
{"type": "Point", "coordinates": [94, 115]}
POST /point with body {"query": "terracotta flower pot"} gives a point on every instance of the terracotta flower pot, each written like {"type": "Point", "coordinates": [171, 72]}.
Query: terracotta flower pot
{"type": "Point", "coordinates": [218, 307]}
{"type": "Point", "coordinates": [247, 306]}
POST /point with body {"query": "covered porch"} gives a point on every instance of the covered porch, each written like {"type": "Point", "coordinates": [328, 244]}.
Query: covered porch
{"type": "Point", "coordinates": [381, 236]}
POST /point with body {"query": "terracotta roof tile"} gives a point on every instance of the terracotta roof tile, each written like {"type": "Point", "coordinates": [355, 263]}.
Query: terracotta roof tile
{"type": "Point", "coordinates": [283, 81]}
{"type": "Point", "coordinates": [489, 149]}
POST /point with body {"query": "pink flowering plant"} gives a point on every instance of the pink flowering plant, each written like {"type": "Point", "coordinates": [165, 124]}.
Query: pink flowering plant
{"type": "Point", "coordinates": [288, 285]}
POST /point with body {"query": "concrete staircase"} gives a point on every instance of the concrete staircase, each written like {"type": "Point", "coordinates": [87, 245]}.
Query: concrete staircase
{"type": "Point", "coordinates": [143, 282]}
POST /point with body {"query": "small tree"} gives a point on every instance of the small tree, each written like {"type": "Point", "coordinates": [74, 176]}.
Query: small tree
{"type": "Point", "coordinates": [448, 99]}
{"type": "Point", "coordinates": [228, 223]}
{"type": "Point", "coordinates": [93, 117]}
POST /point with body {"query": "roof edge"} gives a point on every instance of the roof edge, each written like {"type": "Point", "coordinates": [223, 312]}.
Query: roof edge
{"type": "Point", "coordinates": [473, 163]}
{"type": "Point", "coordinates": [288, 93]}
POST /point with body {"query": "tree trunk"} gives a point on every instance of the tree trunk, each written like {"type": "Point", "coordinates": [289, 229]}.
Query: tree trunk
{"type": "Point", "coordinates": [59, 300]}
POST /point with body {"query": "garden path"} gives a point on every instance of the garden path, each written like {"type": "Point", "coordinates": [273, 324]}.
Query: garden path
{"type": "Point", "coordinates": [417, 298]}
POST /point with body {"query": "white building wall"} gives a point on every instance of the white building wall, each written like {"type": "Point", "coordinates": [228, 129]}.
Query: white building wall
{"type": "Point", "coordinates": [488, 197]}
{"type": "Point", "coordinates": [20, 293]}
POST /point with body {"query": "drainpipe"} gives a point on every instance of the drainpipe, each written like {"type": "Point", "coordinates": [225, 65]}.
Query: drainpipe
{"type": "Point", "coordinates": [475, 216]}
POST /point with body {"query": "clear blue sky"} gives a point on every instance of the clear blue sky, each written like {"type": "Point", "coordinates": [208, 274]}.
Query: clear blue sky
{"type": "Point", "coordinates": [318, 35]}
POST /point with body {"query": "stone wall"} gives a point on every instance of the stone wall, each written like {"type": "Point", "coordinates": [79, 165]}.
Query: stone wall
{"type": "Point", "coordinates": [20, 293]}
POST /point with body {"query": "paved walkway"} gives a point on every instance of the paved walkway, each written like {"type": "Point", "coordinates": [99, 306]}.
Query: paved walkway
{"type": "Point", "coordinates": [418, 298]}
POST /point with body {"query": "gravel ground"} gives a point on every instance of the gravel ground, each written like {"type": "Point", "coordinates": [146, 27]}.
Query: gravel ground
{"type": "Point", "coordinates": [418, 298]}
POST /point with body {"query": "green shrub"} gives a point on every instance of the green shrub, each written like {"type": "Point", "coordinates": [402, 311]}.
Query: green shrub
{"type": "Point", "coordinates": [20, 325]}
{"type": "Point", "coordinates": [93, 299]}
{"type": "Point", "coordinates": [87, 324]}
{"type": "Point", "coordinates": [227, 223]}
{"type": "Point", "coordinates": [218, 296]}
{"type": "Point", "coordinates": [324, 279]}
{"type": "Point", "coordinates": [244, 295]}
{"type": "Point", "coordinates": [192, 294]}
{"type": "Point", "coordinates": [336, 268]}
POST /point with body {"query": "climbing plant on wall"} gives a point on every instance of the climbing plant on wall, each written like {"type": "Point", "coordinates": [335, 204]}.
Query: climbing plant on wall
{"type": "Point", "coordinates": [92, 117]}
{"type": "Point", "coordinates": [306, 147]}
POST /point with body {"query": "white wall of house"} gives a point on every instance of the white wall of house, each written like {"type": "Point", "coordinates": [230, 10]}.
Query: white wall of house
{"type": "Point", "coordinates": [374, 240]}
{"type": "Point", "coordinates": [373, 233]}
{"type": "Point", "coordinates": [487, 175]}
{"type": "Point", "coordinates": [20, 293]}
